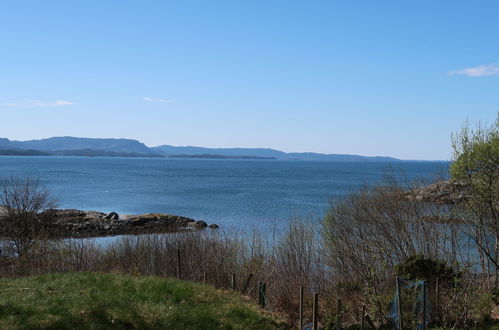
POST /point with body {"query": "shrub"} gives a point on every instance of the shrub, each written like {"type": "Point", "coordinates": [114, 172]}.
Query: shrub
{"type": "Point", "coordinates": [417, 267]}
{"type": "Point", "coordinates": [22, 222]}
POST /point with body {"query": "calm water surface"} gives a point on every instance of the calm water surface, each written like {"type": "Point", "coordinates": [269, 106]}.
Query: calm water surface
{"type": "Point", "coordinates": [236, 194]}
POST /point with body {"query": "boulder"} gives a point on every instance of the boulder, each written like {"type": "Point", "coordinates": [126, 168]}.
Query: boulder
{"type": "Point", "coordinates": [200, 224]}
{"type": "Point", "coordinates": [112, 216]}
{"type": "Point", "coordinates": [214, 226]}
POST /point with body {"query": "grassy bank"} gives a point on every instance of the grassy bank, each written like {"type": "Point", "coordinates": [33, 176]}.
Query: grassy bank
{"type": "Point", "coordinates": [98, 301]}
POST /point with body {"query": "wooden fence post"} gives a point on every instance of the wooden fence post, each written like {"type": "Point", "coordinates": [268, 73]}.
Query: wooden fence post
{"type": "Point", "coordinates": [315, 311]}
{"type": "Point", "coordinates": [205, 277]}
{"type": "Point", "coordinates": [437, 299]}
{"type": "Point", "coordinates": [260, 294]}
{"type": "Point", "coordinates": [246, 285]}
{"type": "Point", "coordinates": [264, 294]}
{"type": "Point", "coordinates": [301, 307]}
{"type": "Point", "coordinates": [399, 303]}
{"type": "Point", "coordinates": [233, 282]}
{"type": "Point", "coordinates": [179, 270]}
{"type": "Point", "coordinates": [424, 305]}
{"type": "Point", "coordinates": [363, 319]}
{"type": "Point", "coordinates": [338, 313]}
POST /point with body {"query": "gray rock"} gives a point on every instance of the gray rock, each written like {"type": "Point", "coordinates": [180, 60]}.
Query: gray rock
{"type": "Point", "coordinates": [442, 193]}
{"type": "Point", "coordinates": [112, 216]}
{"type": "Point", "coordinates": [76, 223]}
{"type": "Point", "coordinates": [201, 224]}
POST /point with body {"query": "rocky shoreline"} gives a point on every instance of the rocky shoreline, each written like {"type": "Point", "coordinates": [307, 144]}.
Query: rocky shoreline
{"type": "Point", "coordinates": [71, 223]}
{"type": "Point", "coordinates": [77, 223]}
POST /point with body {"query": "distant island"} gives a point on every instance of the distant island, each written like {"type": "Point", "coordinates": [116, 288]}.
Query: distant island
{"type": "Point", "coordinates": [95, 147]}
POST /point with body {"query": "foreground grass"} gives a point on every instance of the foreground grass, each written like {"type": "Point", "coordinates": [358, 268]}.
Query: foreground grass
{"type": "Point", "coordinates": [103, 301]}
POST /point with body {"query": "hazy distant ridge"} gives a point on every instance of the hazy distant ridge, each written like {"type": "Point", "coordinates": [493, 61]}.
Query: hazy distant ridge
{"type": "Point", "coordinates": [72, 146]}
{"type": "Point", "coordinates": [264, 152]}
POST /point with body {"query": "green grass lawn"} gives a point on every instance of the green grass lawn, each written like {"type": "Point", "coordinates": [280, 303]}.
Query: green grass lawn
{"type": "Point", "coordinates": [103, 301]}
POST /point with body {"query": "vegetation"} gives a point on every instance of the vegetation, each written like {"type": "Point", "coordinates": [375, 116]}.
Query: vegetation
{"type": "Point", "coordinates": [417, 267]}
{"type": "Point", "coordinates": [476, 165]}
{"type": "Point", "coordinates": [23, 223]}
{"type": "Point", "coordinates": [377, 233]}
{"type": "Point", "coordinates": [373, 229]}
{"type": "Point", "coordinates": [103, 301]}
{"type": "Point", "coordinates": [296, 260]}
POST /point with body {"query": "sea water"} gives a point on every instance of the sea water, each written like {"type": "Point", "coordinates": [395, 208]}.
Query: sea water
{"type": "Point", "coordinates": [235, 194]}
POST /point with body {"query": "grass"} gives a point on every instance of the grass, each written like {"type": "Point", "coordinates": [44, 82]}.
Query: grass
{"type": "Point", "coordinates": [103, 301]}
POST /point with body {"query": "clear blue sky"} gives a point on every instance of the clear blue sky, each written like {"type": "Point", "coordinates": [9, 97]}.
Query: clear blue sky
{"type": "Point", "coordinates": [390, 78]}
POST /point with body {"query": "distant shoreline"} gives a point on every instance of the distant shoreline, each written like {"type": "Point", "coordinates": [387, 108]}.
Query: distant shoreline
{"type": "Point", "coordinates": [112, 147]}
{"type": "Point", "coordinates": [97, 153]}
{"type": "Point", "coordinates": [34, 153]}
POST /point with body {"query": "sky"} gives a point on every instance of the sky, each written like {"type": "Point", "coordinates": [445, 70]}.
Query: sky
{"type": "Point", "coordinates": [388, 78]}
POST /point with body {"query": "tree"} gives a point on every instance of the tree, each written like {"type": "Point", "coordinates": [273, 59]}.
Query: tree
{"type": "Point", "coordinates": [475, 165]}
{"type": "Point", "coordinates": [22, 220]}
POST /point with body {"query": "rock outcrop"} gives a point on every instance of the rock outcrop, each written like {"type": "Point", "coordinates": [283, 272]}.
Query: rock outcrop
{"type": "Point", "coordinates": [442, 193]}
{"type": "Point", "coordinates": [77, 223]}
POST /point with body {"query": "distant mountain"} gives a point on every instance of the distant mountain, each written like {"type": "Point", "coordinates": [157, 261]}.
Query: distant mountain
{"type": "Point", "coordinates": [72, 143]}
{"type": "Point", "coordinates": [5, 143]}
{"type": "Point", "coordinates": [254, 152]}
{"type": "Point", "coordinates": [218, 156]}
{"type": "Point", "coordinates": [168, 150]}
{"type": "Point", "coordinates": [72, 146]}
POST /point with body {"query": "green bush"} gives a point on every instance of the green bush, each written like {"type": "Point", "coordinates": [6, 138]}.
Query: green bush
{"type": "Point", "coordinates": [417, 267]}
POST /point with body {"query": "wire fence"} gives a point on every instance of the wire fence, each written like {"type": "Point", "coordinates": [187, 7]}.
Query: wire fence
{"type": "Point", "coordinates": [410, 306]}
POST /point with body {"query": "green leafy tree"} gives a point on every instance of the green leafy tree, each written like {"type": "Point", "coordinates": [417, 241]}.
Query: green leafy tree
{"type": "Point", "coordinates": [475, 164]}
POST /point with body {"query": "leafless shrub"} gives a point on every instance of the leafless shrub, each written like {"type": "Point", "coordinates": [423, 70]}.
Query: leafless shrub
{"type": "Point", "coordinates": [372, 230]}
{"type": "Point", "coordinates": [22, 225]}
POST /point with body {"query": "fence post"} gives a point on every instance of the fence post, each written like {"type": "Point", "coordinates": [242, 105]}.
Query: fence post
{"type": "Point", "coordinates": [264, 294]}
{"type": "Point", "coordinates": [301, 308]}
{"type": "Point", "coordinates": [260, 294]}
{"type": "Point", "coordinates": [315, 311]}
{"type": "Point", "coordinates": [205, 277]}
{"type": "Point", "coordinates": [246, 285]}
{"type": "Point", "coordinates": [223, 275]}
{"type": "Point", "coordinates": [338, 314]}
{"type": "Point", "coordinates": [233, 282]}
{"type": "Point", "coordinates": [399, 303]}
{"type": "Point", "coordinates": [179, 270]}
{"type": "Point", "coordinates": [437, 298]}
{"type": "Point", "coordinates": [424, 305]}
{"type": "Point", "coordinates": [363, 319]}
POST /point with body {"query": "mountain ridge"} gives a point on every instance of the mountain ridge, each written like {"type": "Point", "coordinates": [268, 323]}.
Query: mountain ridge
{"type": "Point", "coordinates": [115, 147]}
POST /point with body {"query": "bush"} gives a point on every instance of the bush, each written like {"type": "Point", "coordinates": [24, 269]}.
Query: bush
{"type": "Point", "coordinates": [476, 167]}
{"type": "Point", "coordinates": [372, 230]}
{"type": "Point", "coordinates": [417, 267]}
{"type": "Point", "coordinates": [22, 222]}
